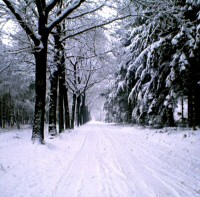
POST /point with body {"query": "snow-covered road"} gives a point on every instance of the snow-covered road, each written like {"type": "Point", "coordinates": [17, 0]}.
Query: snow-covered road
{"type": "Point", "coordinates": [101, 160]}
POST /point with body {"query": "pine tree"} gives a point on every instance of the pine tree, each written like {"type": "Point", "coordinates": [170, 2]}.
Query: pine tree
{"type": "Point", "coordinates": [163, 51]}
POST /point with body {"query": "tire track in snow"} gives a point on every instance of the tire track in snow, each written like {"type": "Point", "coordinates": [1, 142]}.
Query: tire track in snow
{"type": "Point", "coordinates": [168, 184]}
{"type": "Point", "coordinates": [111, 170]}
{"type": "Point", "coordinates": [131, 168]}
{"type": "Point", "coordinates": [80, 176]}
{"type": "Point", "coordinates": [110, 164]}
{"type": "Point", "coordinates": [59, 185]}
{"type": "Point", "coordinates": [168, 171]}
{"type": "Point", "coordinates": [94, 171]}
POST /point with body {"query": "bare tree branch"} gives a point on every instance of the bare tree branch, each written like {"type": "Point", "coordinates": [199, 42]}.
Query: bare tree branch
{"type": "Point", "coordinates": [4, 68]}
{"type": "Point", "coordinates": [85, 13]}
{"type": "Point", "coordinates": [96, 26]}
{"type": "Point", "coordinates": [65, 13]}
{"type": "Point", "coordinates": [22, 23]}
{"type": "Point", "coordinates": [41, 5]}
{"type": "Point", "coordinates": [50, 6]}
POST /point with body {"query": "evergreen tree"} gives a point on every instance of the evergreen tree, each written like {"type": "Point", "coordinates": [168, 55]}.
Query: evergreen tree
{"type": "Point", "coordinates": [163, 50]}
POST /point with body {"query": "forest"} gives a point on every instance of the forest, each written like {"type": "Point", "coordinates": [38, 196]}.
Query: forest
{"type": "Point", "coordinates": [99, 98]}
{"type": "Point", "coordinates": [61, 59]}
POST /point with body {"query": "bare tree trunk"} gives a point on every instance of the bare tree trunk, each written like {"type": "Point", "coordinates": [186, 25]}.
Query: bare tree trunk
{"type": "Point", "coordinates": [61, 105]}
{"type": "Point", "coordinates": [53, 103]}
{"type": "Point", "coordinates": [66, 106]}
{"type": "Point", "coordinates": [74, 98]}
{"type": "Point", "coordinates": [12, 115]}
{"type": "Point", "coordinates": [182, 109]}
{"type": "Point", "coordinates": [193, 94]}
{"type": "Point", "coordinates": [197, 107]}
{"type": "Point", "coordinates": [17, 118]}
{"type": "Point", "coordinates": [194, 107]}
{"type": "Point", "coordinates": [170, 117]}
{"type": "Point", "coordinates": [4, 113]}
{"type": "Point", "coordinates": [78, 103]}
{"type": "Point", "coordinates": [1, 112]}
{"type": "Point", "coordinates": [83, 110]}
{"type": "Point", "coordinates": [87, 115]}
{"type": "Point", "coordinates": [191, 108]}
{"type": "Point", "coordinates": [40, 92]}
{"type": "Point", "coordinates": [73, 110]}
{"type": "Point", "coordinates": [64, 89]}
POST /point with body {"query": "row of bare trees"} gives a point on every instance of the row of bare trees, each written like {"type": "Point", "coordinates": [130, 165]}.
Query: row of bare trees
{"type": "Point", "coordinates": [49, 27]}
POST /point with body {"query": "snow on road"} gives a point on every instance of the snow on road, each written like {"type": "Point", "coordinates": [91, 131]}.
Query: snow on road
{"type": "Point", "coordinates": [101, 160]}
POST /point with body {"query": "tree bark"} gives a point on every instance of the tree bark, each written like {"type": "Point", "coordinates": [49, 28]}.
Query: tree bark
{"type": "Point", "coordinates": [73, 110]}
{"type": "Point", "coordinates": [66, 106]}
{"type": "Point", "coordinates": [83, 110]}
{"type": "Point", "coordinates": [193, 93]}
{"type": "Point", "coordinates": [40, 91]}
{"type": "Point", "coordinates": [53, 103]}
{"type": "Point", "coordinates": [170, 117]}
{"type": "Point", "coordinates": [182, 110]}
{"type": "Point", "coordinates": [1, 112]}
{"type": "Point", "coordinates": [78, 103]}
{"type": "Point", "coordinates": [61, 111]}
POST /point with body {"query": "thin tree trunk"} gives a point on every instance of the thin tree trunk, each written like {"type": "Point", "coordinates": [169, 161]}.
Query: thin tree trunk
{"type": "Point", "coordinates": [73, 110]}
{"type": "Point", "coordinates": [74, 98]}
{"type": "Point", "coordinates": [12, 118]}
{"type": "Point", "coordinates": [83, 110]}
{"type": "Point", "coordinates": [182, 110]}
{"type": "Point", "coordinates": [191, 94]}
{"type": "Point", "coordinates": [87, 115]}
{"type": "Point", "coordinates": [193, 106]}
{"type": "Point", "coordinates": [61, 111]}
{"type": "Point", "coordinates": [53, 103]}
{"type": "Point", "coordinates": [1, 114]}
{"type": "Point", "coordinates": [4, 113]}
{"type": "Point", "coordinates": [78, 103]}
{"type": "Point", "coordinates": [17, 118]}
{"type": "Point", "coordinates": [62, 88]}
{"type": "Point", "coordinates": [66, 106]}
{"type": "Point", "coordinates": [170, 117]}
{"type": "Point", "coordinates": [197, 106]}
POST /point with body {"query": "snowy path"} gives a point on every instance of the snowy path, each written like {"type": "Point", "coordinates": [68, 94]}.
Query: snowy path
{"type": "Point", "coordinates": [114, 162]}
{"type": "Point", "coordinates": [100, 160]}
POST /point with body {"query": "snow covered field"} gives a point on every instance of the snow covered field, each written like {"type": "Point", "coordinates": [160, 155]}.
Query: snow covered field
{"type": "Point", "coordinates": [102, 160]}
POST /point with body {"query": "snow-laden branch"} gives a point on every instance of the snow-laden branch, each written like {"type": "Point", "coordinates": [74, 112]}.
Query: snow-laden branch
{"type": "Point", "coordinates": [40, 7]}
{"type": "Point", "coordinates": [85, 13]}
{"type": "Point", "coordinates": [100, 55]}
{"type": "Point", "coordinates": [92, 84]}
{"type": "Point", "coordinates": [22, 23]}
{"type": "Point", "coordinates": [32, 7]}
{"type": "Point", "coordinates": [50, 6]}
{"type": "Point", "coordinates": [4, 68]}
{"type": "Point", "coordinates": [75, 4]}
{"type": "Point", "coordinates": [96, 26]}
{"type": "Point", "coordinates": [26, 49]}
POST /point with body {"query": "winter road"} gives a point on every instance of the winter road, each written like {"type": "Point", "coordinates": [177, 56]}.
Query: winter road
{"type": "Point", "coordinates": [117, 161]}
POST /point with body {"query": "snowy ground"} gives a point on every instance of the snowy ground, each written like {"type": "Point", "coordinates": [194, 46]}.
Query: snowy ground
{"type": "Point", "coordinates": [101, 160]}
